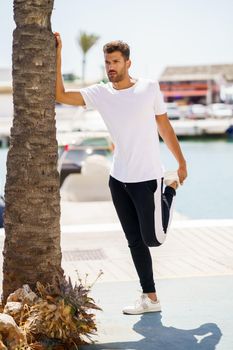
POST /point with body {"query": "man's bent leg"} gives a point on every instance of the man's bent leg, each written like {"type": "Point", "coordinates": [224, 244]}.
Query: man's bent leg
{"type": "Point", "coordinates": [154, 209]}
{"type": "Point", "coordinates": [167, 206]}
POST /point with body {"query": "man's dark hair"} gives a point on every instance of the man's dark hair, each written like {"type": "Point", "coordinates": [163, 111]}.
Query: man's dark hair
{"type": "Point", "coordinates": [117, 45]}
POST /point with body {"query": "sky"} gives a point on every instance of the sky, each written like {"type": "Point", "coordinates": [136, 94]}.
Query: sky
{"type": "Point", "coordinates": [160, 32]}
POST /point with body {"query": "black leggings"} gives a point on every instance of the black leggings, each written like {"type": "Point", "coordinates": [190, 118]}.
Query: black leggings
{"type": "Point", "coordinates": [144, 211]}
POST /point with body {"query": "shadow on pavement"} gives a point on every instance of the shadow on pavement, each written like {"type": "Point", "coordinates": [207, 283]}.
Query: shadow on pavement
{"type": "Point", "coordinates": [158, 336]}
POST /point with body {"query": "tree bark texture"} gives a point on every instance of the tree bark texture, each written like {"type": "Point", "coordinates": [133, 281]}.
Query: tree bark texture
{"type": "Point", "coordinates": [32, 215]}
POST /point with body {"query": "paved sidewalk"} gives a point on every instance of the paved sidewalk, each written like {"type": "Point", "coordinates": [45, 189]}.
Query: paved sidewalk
{"type": "Point", "coordinates": [194, 280]}
{"type": "Point", "coordinates": [192, 249]}
{"type": "Point", "coordinates": [196, 315]}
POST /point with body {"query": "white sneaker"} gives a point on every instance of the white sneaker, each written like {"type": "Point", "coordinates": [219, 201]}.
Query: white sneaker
{"type": "Point", "coordinates": [142, 305]}
{"type": "Point", "coordinates": [170, 177]}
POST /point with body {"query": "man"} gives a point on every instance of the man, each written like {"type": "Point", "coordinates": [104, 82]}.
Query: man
{"type": "Point", "coordinates": [134, 112]}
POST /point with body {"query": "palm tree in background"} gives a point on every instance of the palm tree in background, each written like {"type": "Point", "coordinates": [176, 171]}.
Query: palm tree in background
{"type": "Point", "coordinates": [86, 41]}
{"type": "Point", "coordinates": [32, 214]}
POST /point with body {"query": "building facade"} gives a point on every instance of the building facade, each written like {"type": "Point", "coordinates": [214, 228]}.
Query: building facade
{"type": "Point", "coordinates": [196, 84]}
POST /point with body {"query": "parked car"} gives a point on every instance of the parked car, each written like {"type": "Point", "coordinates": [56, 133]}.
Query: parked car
{"type": "Point", "coordinates": [173, 111]}
{"type": "Point", "coordinates": [72, 156]}
{"type": "Point", "coordinates": [2, 207]}
{"type": "Point", "coordinates": [220, 110]}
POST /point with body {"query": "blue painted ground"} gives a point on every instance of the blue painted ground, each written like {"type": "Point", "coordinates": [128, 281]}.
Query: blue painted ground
{"type": "Point", "coordinates": [197, 315]}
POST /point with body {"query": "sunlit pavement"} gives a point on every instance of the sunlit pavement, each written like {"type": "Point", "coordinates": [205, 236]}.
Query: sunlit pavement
{"type": "Point", "coordinates": [194, 280]}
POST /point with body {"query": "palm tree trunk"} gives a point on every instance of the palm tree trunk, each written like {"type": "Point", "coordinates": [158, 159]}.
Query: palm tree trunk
{"type": "Point", "coordinates": [84, 69]}
{"type": "Point", "coordinates": [32, 215]}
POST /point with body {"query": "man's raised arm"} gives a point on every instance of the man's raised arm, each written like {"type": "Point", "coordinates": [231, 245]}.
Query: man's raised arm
{"type": "Point", "coordinates": [68, 97]}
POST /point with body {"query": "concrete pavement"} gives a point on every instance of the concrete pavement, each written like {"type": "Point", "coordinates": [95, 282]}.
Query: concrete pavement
{"type": "Point", "coordinates": [194, 280]}
{"type": "Point", "coordinates": [196, 315]}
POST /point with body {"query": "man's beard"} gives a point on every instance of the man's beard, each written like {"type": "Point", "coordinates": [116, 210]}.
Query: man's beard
{"type": "Point", "coordinates": [116, 78]}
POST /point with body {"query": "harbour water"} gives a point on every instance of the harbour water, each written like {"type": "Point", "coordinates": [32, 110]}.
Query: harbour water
{"type": "Point", "coordinates": [208, 191]}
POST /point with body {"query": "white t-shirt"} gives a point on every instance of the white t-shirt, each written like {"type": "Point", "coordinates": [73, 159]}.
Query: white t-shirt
{"type": "Point", "coordinates": [129, 115]}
